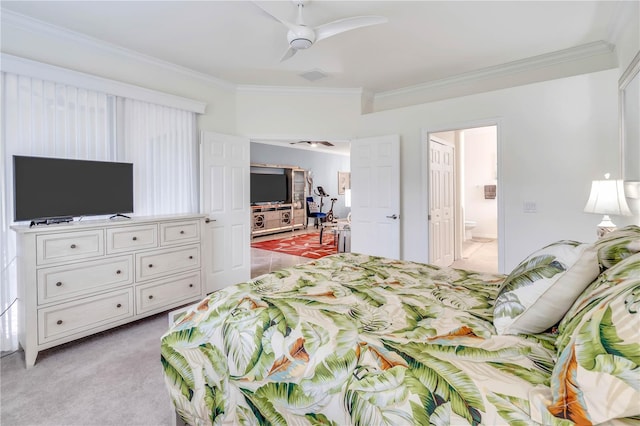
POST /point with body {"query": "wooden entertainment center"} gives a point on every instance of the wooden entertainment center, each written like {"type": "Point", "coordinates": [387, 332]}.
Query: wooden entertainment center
{"type": "Point", "coordinates": [270, 218]}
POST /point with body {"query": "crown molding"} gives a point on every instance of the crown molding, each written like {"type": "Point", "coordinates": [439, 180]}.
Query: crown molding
{"type": "Point", "coordinates": [510, 68]}
{"type": "Point", "coordinates": [248, 88]}
{"type": "Point", "coordinates": [38, 27]}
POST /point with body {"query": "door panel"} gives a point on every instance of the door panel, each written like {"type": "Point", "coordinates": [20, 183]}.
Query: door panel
{"type": "Point", "coordinates": [225, 199]}
{"type": "Point", "coordinates": [441, 203]}
{"type": "Point", "coordinates": [375, 196]}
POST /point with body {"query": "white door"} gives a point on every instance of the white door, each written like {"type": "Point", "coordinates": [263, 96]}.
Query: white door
{"type": "Point", "coordinates": [375, 196]}
{"type": "Point", "coordinates": [224, 189]}
{"type": "Point", "coordinates": [441, 203]}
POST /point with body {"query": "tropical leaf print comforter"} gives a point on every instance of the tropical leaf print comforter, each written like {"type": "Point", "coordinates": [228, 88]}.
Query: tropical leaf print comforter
{"type": "Point", "coordinates": [353, 340]}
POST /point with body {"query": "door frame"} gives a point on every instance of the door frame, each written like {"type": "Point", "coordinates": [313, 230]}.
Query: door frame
{"type": "Point", "coordinates": [459, 227]}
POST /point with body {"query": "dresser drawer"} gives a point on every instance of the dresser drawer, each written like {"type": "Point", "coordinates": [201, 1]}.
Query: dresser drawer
{"type": "Point", "coordinates": [159, 263]}
{"type": "Point", "coordinates": [63, 282]}
{"type": "Point", "coordinates": [69, 246]}
{"type": "Point", "coordinates": [179, 232]}
{"type": "Point", "coordinates": [159, 295]}
{"type": "Point", "coordinates": [62, 320]}
{"type": "Point", "coordinates": [132, 238]}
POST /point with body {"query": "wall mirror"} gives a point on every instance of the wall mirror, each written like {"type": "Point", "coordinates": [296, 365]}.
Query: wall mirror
{"type": "Point", "coordinates": [629, 95]}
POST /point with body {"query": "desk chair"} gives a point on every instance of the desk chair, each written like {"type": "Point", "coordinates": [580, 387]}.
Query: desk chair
{"type": "Point", "coordinates": [313, 211]}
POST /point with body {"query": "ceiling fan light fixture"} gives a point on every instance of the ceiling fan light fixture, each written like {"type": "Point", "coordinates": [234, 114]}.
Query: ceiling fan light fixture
{"type": "Point", "coordinates": [300, 43]}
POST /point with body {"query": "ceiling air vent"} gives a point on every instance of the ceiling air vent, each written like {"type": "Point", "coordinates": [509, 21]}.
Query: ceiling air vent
{"type": "Point", "coordinates": [313, 75]}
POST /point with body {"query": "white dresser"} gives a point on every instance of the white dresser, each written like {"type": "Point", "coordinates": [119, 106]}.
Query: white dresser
{"type": "Point", "coordinates": [79, 278]}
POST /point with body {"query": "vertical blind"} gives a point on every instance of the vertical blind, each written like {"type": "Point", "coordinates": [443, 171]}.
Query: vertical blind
{"type": "Point", "coordinates": [161, 143]}
{"type": "Point", "coordinates": [44, 118]}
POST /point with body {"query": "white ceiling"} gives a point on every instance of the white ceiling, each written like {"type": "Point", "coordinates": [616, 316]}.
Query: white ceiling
{"type": "Point", "coordinates": [423, 41]}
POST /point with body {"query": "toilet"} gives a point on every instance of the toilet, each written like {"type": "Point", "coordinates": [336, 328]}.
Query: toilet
{"type": "Point", "coordinates": [468, 226]}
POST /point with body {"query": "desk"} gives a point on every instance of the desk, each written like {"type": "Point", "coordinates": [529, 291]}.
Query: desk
{"type": "Point", "coordinates": [341, 234]}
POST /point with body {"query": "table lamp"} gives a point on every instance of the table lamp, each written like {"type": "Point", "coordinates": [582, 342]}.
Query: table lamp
{"type": "Point", "coordinates": [607, 198]}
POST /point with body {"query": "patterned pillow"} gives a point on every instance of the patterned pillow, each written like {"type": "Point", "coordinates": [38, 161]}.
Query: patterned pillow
{"type": "Point", "coordinates": [618, 245]}
{"type": "Point", "coordinates": [597, 376]}
{"type": "Point", "coordinates": [538, 292]}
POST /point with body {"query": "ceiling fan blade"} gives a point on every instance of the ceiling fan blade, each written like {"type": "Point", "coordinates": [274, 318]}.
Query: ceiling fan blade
{"type": "Point", "coordinates": [326, 143]}
{"type": "Point", "coordinates": [289, 53]}
{"type": "Point", "coordinates": [347, 24]}
{"type": "Point", "coordinates": [287, 24]}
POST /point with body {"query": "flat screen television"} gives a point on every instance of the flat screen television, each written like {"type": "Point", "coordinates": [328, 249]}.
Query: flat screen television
{"type": "Point", "coordinates": [268, 188]}
{"type": "Point", "coordinates": [46, 188]}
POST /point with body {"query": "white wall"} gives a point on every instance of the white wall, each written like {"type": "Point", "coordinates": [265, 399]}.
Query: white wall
{"type": "Point", "coordinates": [480, 169]}
{"type": "Point", "coordinates": [554, 137]}
{"type": "Point", "coordinates": [290, 114]}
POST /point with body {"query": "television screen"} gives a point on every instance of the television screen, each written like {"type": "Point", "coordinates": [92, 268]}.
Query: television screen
{"type": "Point", "coordinates": [268, 188]}
{"type": "Point", "coordinates": [55, 187]}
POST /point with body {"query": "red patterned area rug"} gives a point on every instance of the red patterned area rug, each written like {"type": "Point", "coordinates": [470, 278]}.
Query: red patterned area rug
{"type": "Point", "coordinates": [305, 245]}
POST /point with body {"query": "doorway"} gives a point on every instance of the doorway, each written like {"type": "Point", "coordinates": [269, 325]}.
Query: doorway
{"type": "Point", "coordinates": [464, 210]}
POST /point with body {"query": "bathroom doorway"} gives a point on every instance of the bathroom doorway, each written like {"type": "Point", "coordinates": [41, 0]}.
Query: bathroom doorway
{"type": "Point", "coordinates": [473, 231]}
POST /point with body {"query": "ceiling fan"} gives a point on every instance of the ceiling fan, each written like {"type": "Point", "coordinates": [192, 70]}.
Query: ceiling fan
{"type": "Point", "coordinates": [314, 143]}
{"type": "Point", "coordinates": [300, 36]}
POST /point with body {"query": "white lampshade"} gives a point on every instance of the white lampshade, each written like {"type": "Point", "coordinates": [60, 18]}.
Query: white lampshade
{"type": "Point", "coordinates": [607, 197]}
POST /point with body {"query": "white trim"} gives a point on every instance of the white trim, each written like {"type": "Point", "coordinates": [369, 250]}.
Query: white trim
{"type": "Point", "coordinates": [503, 70]}
{"type": "Point", "coordinates": [40, 70]}
{"type": "Point", "coordinates": [36, 26]}
{"type": "Point", "coordinates": [248, 88]}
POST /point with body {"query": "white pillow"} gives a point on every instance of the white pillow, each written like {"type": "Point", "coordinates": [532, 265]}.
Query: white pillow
{"type": "Point", "coordinates": [542, 288]}
{"type": "Point", "coordinates": [313, 207]}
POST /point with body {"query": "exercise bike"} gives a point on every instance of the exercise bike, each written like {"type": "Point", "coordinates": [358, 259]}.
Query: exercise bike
{"type": "Point", "coordinates": [321, 193]}
{"type": "Point", "coordinates": [330, 216]}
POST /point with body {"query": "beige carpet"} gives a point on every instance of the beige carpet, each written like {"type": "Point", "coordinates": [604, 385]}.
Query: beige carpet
{"type": "Point", "coordinates": [113, 378]}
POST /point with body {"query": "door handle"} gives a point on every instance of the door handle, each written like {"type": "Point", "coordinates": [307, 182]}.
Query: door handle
{"type": "Point", "coordinates": [207, 220]}
{"type": "Point", "coordinates": [393, 216]}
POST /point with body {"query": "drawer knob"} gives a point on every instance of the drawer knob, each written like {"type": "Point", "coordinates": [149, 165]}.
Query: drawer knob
{"type": "Point", "coordinates": [135, 238]}
{"type": "Point", "coordinates": [151, 296]}
{"type": "Point", "coordinates": [190, 257]}
{"type": "Point", "coordinates": [190, 285]}
{"type": "Point", "coordinates": [118, 272]}
{"type": "Point", "coordinates": [119, 305]}
{"type": "Point", "coordinates": [58, 284]}
{"type": "Point", "coordinates": [73, 246]}
{"type": "Point", "coordinates": [181, 232]}
{"type": "Point", "coordinates": [151, 265]}
{"type": "Point", "coordinates": [59, 322]}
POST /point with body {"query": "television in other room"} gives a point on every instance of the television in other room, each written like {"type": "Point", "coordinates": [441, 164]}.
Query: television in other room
{"type": "Point", "coordinates": [269, 188]}
{"type": "Point", "coordinates": [46, 188]}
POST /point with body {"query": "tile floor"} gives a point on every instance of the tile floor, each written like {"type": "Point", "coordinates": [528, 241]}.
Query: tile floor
{"type": "Point", "coordinates": [480, 255]}
{"type": "Point", "coordinates": [476, 255]}
{"type": "Point", "coordinates": [265, 261]}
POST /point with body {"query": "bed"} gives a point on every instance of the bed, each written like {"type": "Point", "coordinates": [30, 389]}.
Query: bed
{"type": "Point", "coordinates": [352, 339]}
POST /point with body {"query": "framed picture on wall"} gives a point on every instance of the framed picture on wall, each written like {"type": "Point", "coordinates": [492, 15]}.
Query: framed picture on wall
{"type": "Point", "coordinates": [344, 182]}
